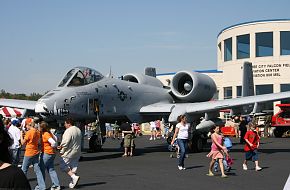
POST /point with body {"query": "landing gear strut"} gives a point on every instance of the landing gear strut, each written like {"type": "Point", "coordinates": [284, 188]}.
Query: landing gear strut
{"type": "Point", "coordinates": [97, 139]}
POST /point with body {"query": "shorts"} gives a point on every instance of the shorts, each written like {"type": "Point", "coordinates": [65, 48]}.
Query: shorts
{"type": "Point", "coordinates": [67, 164]}
{"type": "Point", "coordinates": [252, 155]}
{"type": "Point", "coordinates": [128, 141]}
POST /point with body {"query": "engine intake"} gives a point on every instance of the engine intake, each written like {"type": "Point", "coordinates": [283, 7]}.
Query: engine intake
{"type": "Point", "coordinates": [188, 86]}
{"type": "Point", "coordinates": [143, 79]}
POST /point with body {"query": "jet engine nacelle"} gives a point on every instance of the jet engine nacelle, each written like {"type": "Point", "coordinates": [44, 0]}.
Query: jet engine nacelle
{"type": "Point", "coordinates": [143, 79]}
{"type": "Point", "coordinates": [188, 86]}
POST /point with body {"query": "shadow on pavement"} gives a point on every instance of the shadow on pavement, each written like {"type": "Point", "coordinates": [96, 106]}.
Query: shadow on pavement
{"type": "Point", "coordinates": [101, 157]}
{"type": "Point", "coordinates": [193, 167]}
{"type": "Point", "coordinates": [79, 186]}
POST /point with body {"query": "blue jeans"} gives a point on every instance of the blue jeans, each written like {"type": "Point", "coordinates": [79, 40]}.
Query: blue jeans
{"type": "Point", "coordinates": [216, 163]}
{"type": "Point", "coordinates": [15, 153]}
{"type": "Point", "coordinates": [47, 163]}
{"type": "Point", "coordinates": [34, 160]}
{"type": "Point", "coordinates": [182, 143]}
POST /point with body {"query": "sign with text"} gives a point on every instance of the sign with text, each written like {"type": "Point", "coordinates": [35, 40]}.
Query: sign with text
{"type": "Point", "coordinates": [270, 70]}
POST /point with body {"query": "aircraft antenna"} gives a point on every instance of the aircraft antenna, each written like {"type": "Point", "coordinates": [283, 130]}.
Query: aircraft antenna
{"type": "Point", "coordinates": [110, 73]}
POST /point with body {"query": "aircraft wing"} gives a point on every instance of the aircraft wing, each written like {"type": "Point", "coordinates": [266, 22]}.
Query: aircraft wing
{"type": "Point", "coordinates": [176, 109]}
{"type": "Point", "coordinates": [24, 104]}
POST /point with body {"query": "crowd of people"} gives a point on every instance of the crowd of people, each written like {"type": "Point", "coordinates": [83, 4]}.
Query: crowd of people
{"type": "Point", "coordinates": [221, 145]}
{"type": "Point", "coordinates": [41, 146]}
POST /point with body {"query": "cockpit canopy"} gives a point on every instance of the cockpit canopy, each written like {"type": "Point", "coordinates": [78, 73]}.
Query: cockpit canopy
{"type": "Point", "coordinates": [80, 76]}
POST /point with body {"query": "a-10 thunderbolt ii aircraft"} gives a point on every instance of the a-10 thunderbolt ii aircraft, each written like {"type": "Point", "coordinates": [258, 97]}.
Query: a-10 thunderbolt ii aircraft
{"type": "Point", "coordinates": [85, 94]}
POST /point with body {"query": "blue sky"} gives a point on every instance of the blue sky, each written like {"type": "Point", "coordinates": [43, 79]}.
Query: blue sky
{"type": "Point", "coordinates": [41, 40]}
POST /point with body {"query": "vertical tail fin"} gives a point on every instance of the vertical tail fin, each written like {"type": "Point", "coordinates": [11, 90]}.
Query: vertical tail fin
{"type": "Point", "coordinates": [248, 81]}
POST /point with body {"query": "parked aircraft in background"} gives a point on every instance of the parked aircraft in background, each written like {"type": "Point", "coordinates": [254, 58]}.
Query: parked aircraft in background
{"type": "Point", "coordinates": [85, 94]}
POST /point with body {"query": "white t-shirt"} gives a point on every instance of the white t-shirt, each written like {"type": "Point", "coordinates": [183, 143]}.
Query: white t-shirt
{"type": "Point", "coordinates": [14, 133]}
{"type": "Point", "coordinates": [183, 131]}
{"type": "Point", "coordinates": [152, 126]}
{"type": "Point", "coordinates": [71, 142]}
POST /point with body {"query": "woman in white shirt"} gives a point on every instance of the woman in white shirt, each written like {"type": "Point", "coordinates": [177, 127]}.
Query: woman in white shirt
{"type": "Point", "coordinates": [181, 133]}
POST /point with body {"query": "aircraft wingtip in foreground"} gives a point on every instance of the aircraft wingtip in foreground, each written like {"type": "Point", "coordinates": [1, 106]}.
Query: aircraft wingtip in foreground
{"type": "Point", "coordinates": [85, 95]}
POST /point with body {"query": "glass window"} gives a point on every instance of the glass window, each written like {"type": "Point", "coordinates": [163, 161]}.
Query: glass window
{"type": "Point", "coordinates": [284, 88]}
{"type": "Point", "coordinates": [91, 75]}
{"type": "Point", "coordinates": [239, 91]}
{"type": "Point", "coordinates": [285, 43]}
{"type": "Point", "coordinates": [264, 44]}
{"type": "Point", "coordinates": [265, 89]}
{"type": "Point", "coordinates": [77, 80]}
{"type": "Point", "coordinates": [228, 49]}
{"type": "Point", "coordinates": [66, 78]}
{"type": "Point", "coordinates": [220, 51]}
{"type": "Point", "coordinates": [228, 92]}
{"type": "Point", "coordinates": [243, 46]}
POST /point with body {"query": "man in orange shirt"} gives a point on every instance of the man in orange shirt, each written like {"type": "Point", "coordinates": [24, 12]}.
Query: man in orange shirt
{"type": "Point", "coordinates": [31, 156]}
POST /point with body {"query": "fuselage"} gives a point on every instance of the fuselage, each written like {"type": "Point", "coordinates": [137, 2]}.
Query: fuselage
{"type": "Point", "coordinates": [107, 98]}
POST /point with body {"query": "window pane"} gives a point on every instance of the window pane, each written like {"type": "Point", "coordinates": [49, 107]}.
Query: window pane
{"type": "Point", "coordinates": [265, 89]}
{"type": "Point", "coordinates": [284, 88]}
{"type": "Point", "coordinates": [239, 91]}
{"type": "Point", "coordinates": [220, 51]}
{"type": "Point", "coordinates": [227, 92]}
{"type": "Point", "coordinates": [264, 44]}
{"type": "Point", "coordinates": [285, 43]}
{"type": "Point", "coordinates": [243, 46]}
{"type": "Point", "coordinates": [228, 49]}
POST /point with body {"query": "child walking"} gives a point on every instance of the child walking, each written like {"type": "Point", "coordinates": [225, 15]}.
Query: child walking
{"type": "Point", "coordinates": [227, 161]}
{"type": "Point", "coordinates": [217, 151]}
{"type": "Point", "coordinates": [251, 147]}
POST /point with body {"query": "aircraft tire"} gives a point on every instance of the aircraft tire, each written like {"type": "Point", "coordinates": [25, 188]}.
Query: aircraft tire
{"type": "Point", "coordinates": [95, 143]}
{"type": "Point", "coordinates": [197, 144]}
{"type": "Point", "coordinates": [169, 137]}
{"type": "Point", "coordinates": [278, 132]}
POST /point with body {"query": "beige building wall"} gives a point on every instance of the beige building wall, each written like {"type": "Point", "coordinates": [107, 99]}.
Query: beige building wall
{"type": "Point", "coordinates": [278, 66]}
{"type": "Point", "coordinates": [266, 70]}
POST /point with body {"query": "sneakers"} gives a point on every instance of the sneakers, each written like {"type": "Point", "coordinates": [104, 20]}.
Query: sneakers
{"type": "Point", "coordinates": [258, 168]}
{"type": "Point", "coordinates": [55, 188]}
{"type": "Point", "coordinates": [245, 167]}
{"type": "Point", "coordinates": [74, 182]}
{"type": "Point", "coordinates": [150, 139]}
{"type": "Point", "coordinates": [181, 168]}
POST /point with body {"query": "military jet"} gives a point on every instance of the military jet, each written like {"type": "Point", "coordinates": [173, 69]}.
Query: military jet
{"type": "Point", "coordinates": [85, 94]}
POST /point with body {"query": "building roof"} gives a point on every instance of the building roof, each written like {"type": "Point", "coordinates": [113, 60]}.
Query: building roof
{"type": "Point", "coordinates": [198, 71]}
{"type": "Point", "coordinates": [251, 22]}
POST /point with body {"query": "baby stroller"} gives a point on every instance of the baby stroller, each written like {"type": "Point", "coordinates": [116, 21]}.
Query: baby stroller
{"type": "Point", "coordinates": [174, 149]}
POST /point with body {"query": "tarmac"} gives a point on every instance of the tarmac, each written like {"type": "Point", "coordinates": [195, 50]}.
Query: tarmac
{"type": "Point", "coordinates": [152, 168]}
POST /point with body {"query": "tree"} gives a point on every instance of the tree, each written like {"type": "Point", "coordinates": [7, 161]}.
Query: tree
{"type": "Point", "coordinates": [33, 96]}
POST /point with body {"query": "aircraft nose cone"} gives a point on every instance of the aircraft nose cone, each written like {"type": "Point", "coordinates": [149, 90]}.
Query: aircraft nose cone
{"type": "Point", "coordinates": [40, 107]}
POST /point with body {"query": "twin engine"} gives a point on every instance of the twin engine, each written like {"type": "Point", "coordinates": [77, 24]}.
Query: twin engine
{"type": "Point", "coordinates": [186, 86]}
{"type": "Point", "coordinates": [189, 86]}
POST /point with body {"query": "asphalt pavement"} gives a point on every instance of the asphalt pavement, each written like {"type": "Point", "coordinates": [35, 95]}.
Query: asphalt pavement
{"type": "Point", "coordinates": [152, 168]}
